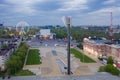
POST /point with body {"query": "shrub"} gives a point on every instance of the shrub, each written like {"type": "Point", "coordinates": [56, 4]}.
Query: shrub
{"type": "Point", "coordinates": [80, 45]}
{"type": "Point", "coordinates": [110, 60]}
{"type": "Point", "coordinates": [102, 69]}
{"type": "Point", "coordinates": [110, 69]}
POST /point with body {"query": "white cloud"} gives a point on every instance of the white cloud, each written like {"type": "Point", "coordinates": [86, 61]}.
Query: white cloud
{"type": "Point", "coordinates": [22, 2]}
{"type": "Point", "coordinates": [109, 1]}
{"type": "Point", "coordinates": [74, 5]}
{"type": "Point", "coordinates": [103, 10]}
{"type": "Point", "coordinates": [102, 16]}
{"type": "Point", "coordinates": [115, 10]}
{"type": "Point", "coordinates": [18, 10]}
{"type": "Point", "coordinates": [23, 6]}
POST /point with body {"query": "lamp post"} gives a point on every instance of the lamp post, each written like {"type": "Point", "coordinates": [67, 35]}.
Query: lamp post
{"type": "Point", "coordinates": [68, 53]}
{"type": "Point", "coordinates": [67, 22]}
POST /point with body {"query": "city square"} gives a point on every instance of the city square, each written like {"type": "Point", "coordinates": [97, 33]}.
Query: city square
{"type": "Point", "coordinates": [59, 40]}
{"type": "Point", "coordinates": [54, 60]}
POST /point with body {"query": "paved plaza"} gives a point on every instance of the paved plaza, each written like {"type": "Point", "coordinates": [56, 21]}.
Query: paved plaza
{"type": "Point", "coordinates": [97, 76]}
{"type": "Point", "coordinates": [54, 60]}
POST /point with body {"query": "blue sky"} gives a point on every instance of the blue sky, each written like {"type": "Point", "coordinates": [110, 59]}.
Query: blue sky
{"type": "Point", "coordinates": [50, 12]}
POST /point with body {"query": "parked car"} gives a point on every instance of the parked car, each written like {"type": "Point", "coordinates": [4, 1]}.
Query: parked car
{"type": "Point", "coordinates": [102, 58]}
{"type": "Point", "coordinates": [104, 61]}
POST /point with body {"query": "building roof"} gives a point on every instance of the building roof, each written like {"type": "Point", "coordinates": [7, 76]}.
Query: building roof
{"type": "Point", "coordinates": [8, 39]}
{"type": "Point", "coordinates": [6, 50]}
{"type": "Point", "coordinates": [116, 41]}
{"type": "Point", "coordinates": [3, 52]}
{"type": "Point", "coordinates": [99, 40]}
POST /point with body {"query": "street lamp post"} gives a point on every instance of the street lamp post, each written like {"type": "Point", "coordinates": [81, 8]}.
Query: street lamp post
{"type": "Point", "coordinates": [67, 22]}
{"type": "Point", "coordinates": [68, 53]}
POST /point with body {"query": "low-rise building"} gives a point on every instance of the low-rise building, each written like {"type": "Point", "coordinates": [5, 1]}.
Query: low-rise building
{"type": "Point", "coordinates": [5, 53]}
{"type": "Point", "coordinates": [99, 47]}
{"type": "Point", "coordinates": [45, 34]}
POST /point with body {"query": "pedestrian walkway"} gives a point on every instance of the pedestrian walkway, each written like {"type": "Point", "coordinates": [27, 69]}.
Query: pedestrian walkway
{"type": "Point", "coordinates": [50, 68]}
{"type": "Point", "coordinates": [97, 76]}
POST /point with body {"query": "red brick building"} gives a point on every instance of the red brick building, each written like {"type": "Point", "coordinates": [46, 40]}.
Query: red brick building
{"type": "Point", "coordinates": [98, 47]}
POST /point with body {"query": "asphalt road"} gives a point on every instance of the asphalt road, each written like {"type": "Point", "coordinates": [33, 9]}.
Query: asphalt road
{"type": "Point", "coordinates": [44, 43]}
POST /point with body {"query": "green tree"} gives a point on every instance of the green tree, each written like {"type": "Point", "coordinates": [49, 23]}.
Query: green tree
{"type": "Point", "coordinates": [11, 66]}
{"type": "Point", "coordinates": [111, 69]}
{"type": "Point", "coordinates": [16, 61]}
{"type": "Point", "coordinates": [21, 55]}
{"type": "Point", "coordinates": [60, 33]}
{"type": "Point", "coordinates": [110, 60]}
{"type": "Point", "coordinates": [80, 45]}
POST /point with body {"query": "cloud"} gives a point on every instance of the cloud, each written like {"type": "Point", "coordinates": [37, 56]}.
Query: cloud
{"type": "Point", "coordinates": [109, 1]}
{"type": "Point", "coordinates": [103, 10]}
{"type": "Point", "coordinates": [23, 2]}
{"type": "Point", "coordinates": [3, 5]}
{"type": "Point", "coordinates": [115, 10]}
{"type": "Point", "coordinates": [50, 11]}
{"type": "Point", "coordinates": [73, 5]}
{"type": "Point", "coordinates": [22, 6]}
{"type": "Point", "coordinates": [102, 16]}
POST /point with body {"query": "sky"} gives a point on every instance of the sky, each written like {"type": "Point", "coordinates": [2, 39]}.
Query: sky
{"type": "Point", "coordinates": [50, 12]}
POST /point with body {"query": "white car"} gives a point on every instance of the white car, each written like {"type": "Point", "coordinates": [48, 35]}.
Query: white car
{"type": "Point", "coordinates": [56, 45]}
{"type": "Point", "coordinates": [29, 41]}
{"type": "Point", "coordinates": [46, 44]}
{"type": "Point", "coordinates": [104, 62]}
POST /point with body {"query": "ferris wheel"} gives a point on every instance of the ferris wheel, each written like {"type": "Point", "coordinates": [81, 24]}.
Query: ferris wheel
{"type": "Point", "coordinates": [22, 27]}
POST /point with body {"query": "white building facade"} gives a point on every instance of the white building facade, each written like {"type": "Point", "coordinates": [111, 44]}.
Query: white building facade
{"type": "Point", "coordinates": [46, 34]}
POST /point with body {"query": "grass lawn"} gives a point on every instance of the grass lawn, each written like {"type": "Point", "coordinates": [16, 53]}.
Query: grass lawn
{"type": "Point", "coordinates": [80, 55]}
{"type": "Point", "coordinates": [33, 57]}
{"type": "Point", "coordinates": [24, 73]}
